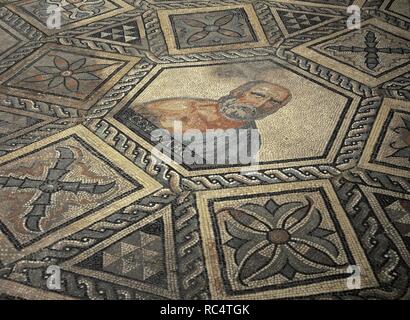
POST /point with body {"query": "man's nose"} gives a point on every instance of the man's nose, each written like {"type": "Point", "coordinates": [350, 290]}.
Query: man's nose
{"type": "Point", "coordinates": [263, 102]}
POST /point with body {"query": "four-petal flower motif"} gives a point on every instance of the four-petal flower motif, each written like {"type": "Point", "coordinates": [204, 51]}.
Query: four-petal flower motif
{"type": "Point", "coordinates": [67, 74]}
{"type": "Point", "coordinates": [207, 29]}
{"type": "Point", "coordinates": [279, 239]}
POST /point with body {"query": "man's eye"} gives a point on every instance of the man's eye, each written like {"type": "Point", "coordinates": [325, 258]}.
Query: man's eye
{"type": "Point", "coordinates": [259, 95]}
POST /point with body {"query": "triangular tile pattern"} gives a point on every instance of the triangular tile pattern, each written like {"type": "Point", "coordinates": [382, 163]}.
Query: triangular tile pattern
{"type": "Point", "coordinates": [127, 33]}
{"type": "Point", "coordinates": [296, 21]}
{"type": "Point", "coordinates": [139, 256]}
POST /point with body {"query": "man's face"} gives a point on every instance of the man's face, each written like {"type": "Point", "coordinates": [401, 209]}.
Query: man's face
{"type": "Point", "coordinates": [254, 101]}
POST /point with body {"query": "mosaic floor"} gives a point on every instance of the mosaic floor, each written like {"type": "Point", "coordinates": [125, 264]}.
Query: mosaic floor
{"type": "Point", "coordinates": [82, 189]}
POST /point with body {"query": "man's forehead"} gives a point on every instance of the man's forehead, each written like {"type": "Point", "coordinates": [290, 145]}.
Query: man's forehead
{"type": "Point", "coordinates": [266, 87]}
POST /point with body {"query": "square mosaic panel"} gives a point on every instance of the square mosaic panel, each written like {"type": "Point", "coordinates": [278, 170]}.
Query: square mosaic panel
{"type": "Point", "coordinates": [373, 54]}
{"type": "Point", "coordinates": [278, 242]}
{"type": "Point", "coordinates": [195, 30]}
{"type": "Point", "coordinates": [60, 75]}
{"type": "Point", "coordinates": [69, 187]}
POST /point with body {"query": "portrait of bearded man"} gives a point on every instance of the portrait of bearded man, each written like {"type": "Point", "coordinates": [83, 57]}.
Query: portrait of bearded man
{"type": "Point", "coordinates": [238, 110]}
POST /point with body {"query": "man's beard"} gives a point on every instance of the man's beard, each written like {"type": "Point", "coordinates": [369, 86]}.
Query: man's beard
{"type": "Point", "coordinates": [233, 110]}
